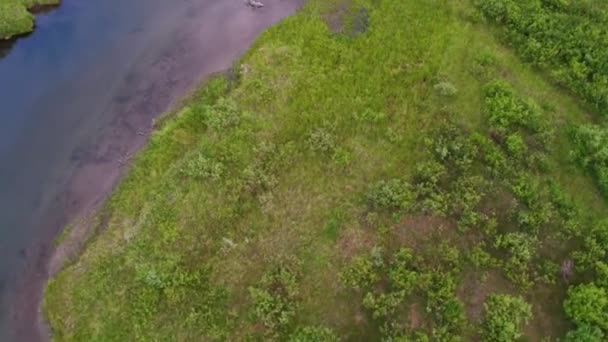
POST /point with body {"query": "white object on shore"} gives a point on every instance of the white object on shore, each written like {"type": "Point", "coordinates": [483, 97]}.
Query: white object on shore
{"type": "Point", "coordinates": [254, 3]}
{"type": "Point", "coordinates": [229, 242]}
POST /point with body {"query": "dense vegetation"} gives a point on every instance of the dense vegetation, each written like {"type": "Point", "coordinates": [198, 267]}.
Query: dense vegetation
{"type": "Point", "coordinates": [568, 38]}
{"type": "Point", "coordinates": [15, 18]}
{"type": "Point", "coordinates": [370, 170]}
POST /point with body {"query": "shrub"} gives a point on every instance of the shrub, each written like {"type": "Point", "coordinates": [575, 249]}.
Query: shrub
{"type": "Point", "coordinates": [491, 156]}
{"type": "Point", "coordinates": [504, 317]}
{"type": "Point", "coordinates": [274, 299]}
{"type": "Point", "coordinates": [595, 245]}
{"type": "Point", "coordinates": [483, 63]}
{"type": "Point", "coordinates": [322, 141]}
{"type": "Point", "coordinates": [429, 174]}
{"type": "Point", "coordinates": [444, 306]}
{"type": "Point", "coordinates": [591, 150]}
{"type": "Point", "coordinates": [383, 305]}
{"type": "Point", "coordinates": [548, 272]}
{"type": "Point", "coordinates": [506, 111]}
{"type": "Point", "coordinates": [223, 114]}
{"type": "Point", "coordinates": [601, 269]}
{"type": "Point", "coordinates": [341, 157]}
{"type": "Point", "coordinates": [429, 191]}
{"type": "Point", "coordinates": [203, 167]}
{"type": "Point", "coordinates": [521, 249]}
{"type": "Point", "coordinates": [588, 304]}
{"type": "Point", "coordinates": [446, 89]}
{"type": "Point", "coordinates": [402, 273]}
{"type": "Point", "coordinates": [257, 179]}
{"type": "Point", "coordinates": [391, 194]}
{"type": "Point", "coordinates": [516, 146]}
{"type": "Point", "coordinates": [565, 40]}
{"type": "Point", "coordinates": [313, 334]}
{"type": "Point", "coordinates": [15, 19]}
{"type": "Point", "coordinates": [452, 147]}
{"type": "Point", "coordinates": [585, 333]}
{"type": "Point", "coordinates": [480, 258]}
{"type": "Point", "coordinates": [527, 190]}
{"type": "Point", "coordinates": [361, 274]}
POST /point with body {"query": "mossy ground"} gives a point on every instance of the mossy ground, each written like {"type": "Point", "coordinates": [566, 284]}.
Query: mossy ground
{"type": "Point", "coordinates": [272, 166]}
{"type": "Point", "coordinates": [15, 19]}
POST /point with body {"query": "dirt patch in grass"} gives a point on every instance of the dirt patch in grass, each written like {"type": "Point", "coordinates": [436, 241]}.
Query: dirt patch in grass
{"type": "Point", "coordinates": [355, 241]}
{"type": "Point", "coordinates": [548, 319]}
{"type": "Point", "coordinates": [415, 316]}
{"type": "Point", "coordinates": [415, 231]}
{"type": "Point", "coordinates": [476, 287]}
{"type": "Point", "coordinates": [335, 19]}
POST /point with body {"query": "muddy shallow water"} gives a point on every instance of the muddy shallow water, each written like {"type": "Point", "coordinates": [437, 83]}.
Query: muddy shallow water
{"type": "Point", "coordinates": [76, 97]}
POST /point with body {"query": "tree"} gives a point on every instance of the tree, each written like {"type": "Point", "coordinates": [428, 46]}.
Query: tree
{"type": "Point", "coordinates": [504, 317]}
{"type": "Point", "coordinates": [588, 304]}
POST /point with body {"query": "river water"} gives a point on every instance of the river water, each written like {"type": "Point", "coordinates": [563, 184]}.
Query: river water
{"type": "Point", "coordinates": [75, 98]}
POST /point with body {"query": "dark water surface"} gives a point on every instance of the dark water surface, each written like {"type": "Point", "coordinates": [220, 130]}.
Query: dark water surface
{"type": "Point", "coordinates": [74, 98]}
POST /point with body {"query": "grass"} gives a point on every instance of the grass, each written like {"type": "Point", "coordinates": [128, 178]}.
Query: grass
{"type": "Point", "coordinates": [272, 168]}
{"type": "Point", "coordinates": [15, 19]}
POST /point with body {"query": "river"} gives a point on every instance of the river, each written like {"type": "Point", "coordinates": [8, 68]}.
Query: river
{"type": "Point", "coordinates": [76, 99]}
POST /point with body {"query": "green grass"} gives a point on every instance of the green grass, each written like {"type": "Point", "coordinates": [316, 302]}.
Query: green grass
{"type": "Point", "coordinates": [271, 170]}
{"type": "Point", "coordinates": [15, 19]}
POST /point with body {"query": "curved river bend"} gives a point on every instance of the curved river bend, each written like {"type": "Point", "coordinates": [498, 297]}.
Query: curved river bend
{"type": "Point", "coordinates": [73, 97]}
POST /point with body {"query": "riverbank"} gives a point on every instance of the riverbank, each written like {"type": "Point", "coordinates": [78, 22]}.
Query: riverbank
{"type": "Point", "coordinates": [138, 76]}
{"type": "Point", "coordinates": [17, 16]}
{"type": "Point", "coordinates": [369, 170]}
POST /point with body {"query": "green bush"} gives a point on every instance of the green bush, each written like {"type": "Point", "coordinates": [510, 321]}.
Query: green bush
{"type": "Point", "coordinates": [516, 146]}
{"type": "Point", "coordinates": [591, 150]}
{"type": "Point", "coordinates": [483, 64]}
{"type": "Point", "coordinates": [595, 246]}
{"type": "Point", "coordinates": [402, 271]}
{"type": "Point", "coordinates": [361, 274]}
{"type": "Point", "coordinates": [14, 19]}
{"type": "Point", "coordinates": [480, 258]}
{"type": "Point", "coordinates": [601, 269]}
{"type": "Point", "coordinates": [275, 299]}
{"type": "Point", "coordinates": [321, 140]}
{"type": "Point", "coordinates": [491, 156]}
{"type": "Point", "coordinates": [445, 307]}
{"type": "Point", "coordinates": [504, 318]}
{"type": "Point", "coordinates": [392, 194]}
{"type": "Point", "coordinates": [313, 334]}
{"type": "Point", "coordinates": [507, 112]}
{"type": "Point", "coordinates": [585, 333]}
{"type": "Point", "coordinates": [383, 305]}
{"type": "Point", "coordinates": [588, 304]}
{"type": "Point", "coordinates": [521, 248]}
{"type": "Point", "coordinates": [203, 167]}
{"type": "Point", "coordinates": [446, 89]}
{"type": "Point", "coordinates": [567, 41]}
{"type": "Point", "coordinates": [222, 115]}
{"type": "Point", "coordinates": [428, 181]}
{"type": "Point", "coordinates": [342, 157]}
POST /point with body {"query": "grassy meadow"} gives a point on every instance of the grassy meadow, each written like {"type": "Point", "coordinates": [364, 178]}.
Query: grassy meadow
{"type": "Point", "coordinates": [371, 170]}
{"type": "Point", "coordinates": [15, 18]}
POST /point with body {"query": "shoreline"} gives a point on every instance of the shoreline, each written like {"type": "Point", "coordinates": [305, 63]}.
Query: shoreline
{"type": "Point", "coordinates": [46, 257]}
{"type": "Point", "coordinates": [157, 94]}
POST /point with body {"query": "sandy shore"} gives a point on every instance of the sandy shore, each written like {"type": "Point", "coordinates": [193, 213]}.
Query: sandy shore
{"type": "Point", "coordinates": [216, 33]}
